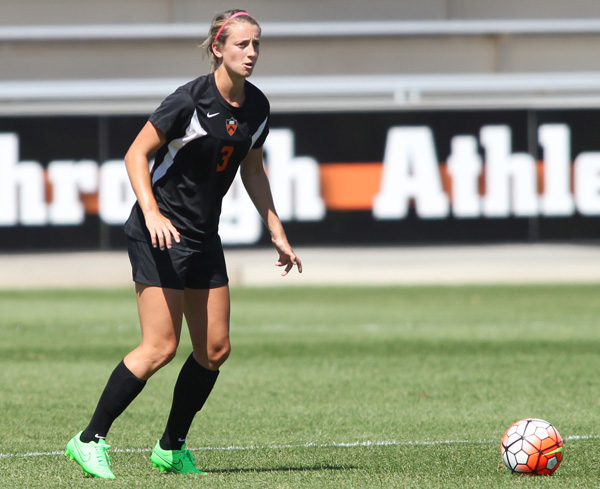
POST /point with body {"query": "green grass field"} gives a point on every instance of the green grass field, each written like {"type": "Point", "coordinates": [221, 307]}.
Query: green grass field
{"type": "Point", "coordinates": [391, 387]}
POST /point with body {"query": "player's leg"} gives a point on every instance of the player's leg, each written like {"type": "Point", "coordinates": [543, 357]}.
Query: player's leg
{"type": "Point", "coordinates": [160, 312]}
{"type": "Point", "coordinates": [207, 315]}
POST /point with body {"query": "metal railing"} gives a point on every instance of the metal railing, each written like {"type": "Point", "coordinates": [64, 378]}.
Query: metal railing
{"type": "Point", "coordinates": [117, 32]}
{"type": "Point", "coordinates": [317, 93]}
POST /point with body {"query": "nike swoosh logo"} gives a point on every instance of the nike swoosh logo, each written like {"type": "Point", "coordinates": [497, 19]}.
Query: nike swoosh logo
{"type": "Point", "coordinates": [558, 450]}
{"type": "Point", "coordinates": [178, 466]}
{"type": "Point", "coordinates": [82, 455]}
{"type": "Point", "coordinates": [210, 116]}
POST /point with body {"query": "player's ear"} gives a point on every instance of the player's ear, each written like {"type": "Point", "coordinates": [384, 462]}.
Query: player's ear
{"type": "Point", "coordinates": [216, 50]}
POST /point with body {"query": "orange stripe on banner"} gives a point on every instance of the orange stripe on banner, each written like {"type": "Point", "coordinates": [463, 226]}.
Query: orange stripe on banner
{"type": "Point", "coordinates": [344, 186]}
{"type": "Point", "coordinates": [89, 201]}
{"type": "Point", "coordinates": [353, 186]}
{"type": "Point", "coordinates": [350, 186]}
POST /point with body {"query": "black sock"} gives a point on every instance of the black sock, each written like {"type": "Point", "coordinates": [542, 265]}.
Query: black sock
{"type": "Point", "coordinates": [192, 388]}
{"type": "Point", "coordinates": [121, 389]}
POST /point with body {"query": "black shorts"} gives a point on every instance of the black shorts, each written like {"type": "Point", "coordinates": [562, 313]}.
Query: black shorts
{"type": "Point", "coordinates": [177, 268]}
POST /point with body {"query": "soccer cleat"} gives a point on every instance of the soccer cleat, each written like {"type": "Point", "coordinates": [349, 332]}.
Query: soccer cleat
{"type": "Point", "coordinates": [177, 461]}
{"type": "Point", "coordinates": [92, 457]}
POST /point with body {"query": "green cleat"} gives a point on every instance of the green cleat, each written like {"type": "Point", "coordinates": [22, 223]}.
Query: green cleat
{"type": "Point", "coordinates": [92, 457]}
{"type": "Point", "coordinates": [177, 461]}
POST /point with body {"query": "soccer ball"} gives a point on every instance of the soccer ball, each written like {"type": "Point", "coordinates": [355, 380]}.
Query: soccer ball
{"type": "Point", "coordinates": [532, 447]}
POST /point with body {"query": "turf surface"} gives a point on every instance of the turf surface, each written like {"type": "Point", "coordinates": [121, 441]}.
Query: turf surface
{"type": "Point", "coordinates": [326, 387]}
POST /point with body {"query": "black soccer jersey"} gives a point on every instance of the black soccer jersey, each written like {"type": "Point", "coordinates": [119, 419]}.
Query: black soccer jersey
{"type": "Point", "coordinates": [206, 140]}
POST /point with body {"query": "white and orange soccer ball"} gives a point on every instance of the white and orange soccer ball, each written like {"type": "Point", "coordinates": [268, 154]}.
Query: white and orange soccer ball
{"type": "Point", "coordinates": [532, 447]}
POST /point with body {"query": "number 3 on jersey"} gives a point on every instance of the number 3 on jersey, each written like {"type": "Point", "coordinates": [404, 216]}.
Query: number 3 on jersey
{"type": "Point", "coordinates": [226, 152]}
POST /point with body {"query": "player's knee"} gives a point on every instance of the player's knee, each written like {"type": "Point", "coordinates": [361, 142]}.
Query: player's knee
{"type": "Point", "coordinates": [218, 354]}
{"type": "Point", "coordinates": [164, 355]}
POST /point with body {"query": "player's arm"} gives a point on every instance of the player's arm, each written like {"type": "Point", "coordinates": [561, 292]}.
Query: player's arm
{"type": "Point", "coordinates": [147, 142]}
{"type": "Point", "coordinates": [256, 182]}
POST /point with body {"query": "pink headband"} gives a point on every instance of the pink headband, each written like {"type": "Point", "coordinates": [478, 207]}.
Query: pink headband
{"type": "Point", "coordinates": [238, 14]}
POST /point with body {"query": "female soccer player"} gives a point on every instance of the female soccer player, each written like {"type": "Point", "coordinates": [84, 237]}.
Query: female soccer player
{"type": "Point", "coordinates": [201, 134]}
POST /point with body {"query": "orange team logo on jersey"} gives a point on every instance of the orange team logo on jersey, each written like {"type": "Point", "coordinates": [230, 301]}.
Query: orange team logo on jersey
{"type": "Point", "coordinates": [231, 126]}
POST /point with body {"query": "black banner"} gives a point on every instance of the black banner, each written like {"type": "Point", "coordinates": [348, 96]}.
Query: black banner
{"type": "Point", "coordinates": [337, 178]}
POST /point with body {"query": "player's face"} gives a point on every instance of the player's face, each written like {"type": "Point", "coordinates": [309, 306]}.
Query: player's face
{"type": "Point", "coordinates": [240, 52]}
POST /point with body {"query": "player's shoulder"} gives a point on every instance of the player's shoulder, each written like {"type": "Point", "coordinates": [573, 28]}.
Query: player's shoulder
{"type": "Point", "coordinates": [195, 87]}
{"type": "Point", "coordinates": [187, 96]}
{"type": "Point", "coordinates": [256, 98]}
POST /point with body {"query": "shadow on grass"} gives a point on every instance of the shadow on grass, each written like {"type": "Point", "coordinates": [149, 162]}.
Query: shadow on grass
{"type": "Point", "coordinates": [314, 468]}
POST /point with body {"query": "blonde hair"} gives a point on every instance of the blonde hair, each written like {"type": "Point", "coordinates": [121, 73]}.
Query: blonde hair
{"type": "Point", "coordinates": [218, 32]}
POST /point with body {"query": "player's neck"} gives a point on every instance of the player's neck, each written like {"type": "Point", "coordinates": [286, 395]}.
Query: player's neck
{"type": "Point", "coordinates": [231, 88]}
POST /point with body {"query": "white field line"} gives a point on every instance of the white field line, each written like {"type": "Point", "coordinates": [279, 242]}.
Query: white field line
{"type": "Point", "coordinates": [388, 443]}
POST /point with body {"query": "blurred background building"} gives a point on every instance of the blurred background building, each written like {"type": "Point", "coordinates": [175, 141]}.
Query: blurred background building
{"type": "Point", "coordinates": [381, 53]}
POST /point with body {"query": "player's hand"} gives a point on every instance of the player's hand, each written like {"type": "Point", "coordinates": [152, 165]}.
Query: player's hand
{"type": "Point", "coordinates": [287, 258]}
{"type": "Point", "coordinates": [162, 231]}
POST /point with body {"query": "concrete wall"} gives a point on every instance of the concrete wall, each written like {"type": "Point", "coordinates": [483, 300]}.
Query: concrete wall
{"type": "Point", "coordinates": [55, 60]}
